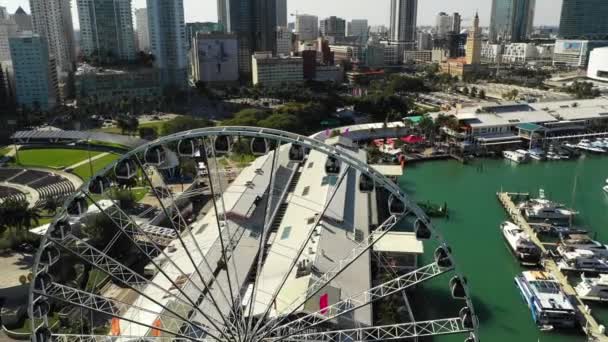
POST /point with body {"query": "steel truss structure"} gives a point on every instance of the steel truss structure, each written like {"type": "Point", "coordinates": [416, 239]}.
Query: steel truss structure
{"type": "Point", "coordinates": [209, 291]}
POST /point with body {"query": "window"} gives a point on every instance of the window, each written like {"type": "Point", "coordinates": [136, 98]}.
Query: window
{"type": "Point", "coordinates": [286, 232]}
{"type": "Point", "coordinates": [306, 191]}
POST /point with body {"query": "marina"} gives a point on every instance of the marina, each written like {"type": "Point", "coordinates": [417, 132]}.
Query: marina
{"type": "Point", "coordinates": [493, 266]}
{"type": "Point", "coordinates": [588, 323]}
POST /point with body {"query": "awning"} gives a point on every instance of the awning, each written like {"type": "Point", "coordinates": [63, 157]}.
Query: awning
{"type": "Point", "coordinates": [413, 139]}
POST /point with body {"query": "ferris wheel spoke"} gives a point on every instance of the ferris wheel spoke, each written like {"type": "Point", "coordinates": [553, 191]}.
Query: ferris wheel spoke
{"type": "Point", "coordinates": [125, 275]}
{"type": "Point", "coordinates": [358, 301]}
{"type": "Point", "coordinates": [301, 249]}
{"type": "Point", "coordinates": [266, 224]}
{"type": "Point", "coordinates": [148, 245]}
{"type": "Point", "coordinates": [104, 338]}
{"type": "Point", "coordinates": [330, 275]}
{"type": "Point", "coordinates": [447, 326]}
{"type": "Point", "coordinates": [172, 325]}
{"type": "Point", "coordinates": [179, 227]}
{"type": "Point", "coordinates": [234, 297]}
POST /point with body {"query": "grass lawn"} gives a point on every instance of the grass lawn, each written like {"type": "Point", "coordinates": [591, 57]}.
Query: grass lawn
{"type": "Point", "coordinates": [84, 171]}
{"type": "Point", "coordinates": [55, 158]}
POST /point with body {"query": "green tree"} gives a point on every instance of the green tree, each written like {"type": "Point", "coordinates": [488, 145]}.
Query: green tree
{"type": "Point", "coordinates": [184, 123]}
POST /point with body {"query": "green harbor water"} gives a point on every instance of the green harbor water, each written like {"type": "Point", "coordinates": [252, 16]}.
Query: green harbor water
{"type": "Point", "coordinates": [472, 231]}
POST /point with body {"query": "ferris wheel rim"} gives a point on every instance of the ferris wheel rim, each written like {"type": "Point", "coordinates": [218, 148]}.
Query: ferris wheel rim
{"type": "Point", "coordinates": [281, 137]}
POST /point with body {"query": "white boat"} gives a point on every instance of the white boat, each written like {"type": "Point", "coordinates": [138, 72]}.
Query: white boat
{"type": "Point", "coordinates": [580, 260]}
{"type": "Point", "coordinates": [515, 157]}
{"type": "Point", "coordinates": [586, 145]}
{"type": "Point", "coordinates": [593, 288]}
{"type": "Point", "coordinates": [605, 189]}
{"type": "Point", "coordinates": [548, 304]}
{"type": "Point", "coordinates": [582, 241]}
{"type": "Point", "coordinates": [520, 244]}
{"type": "Point", "coordinates": [536, 153]}
{"type": "Point", "coordinates": [543, 209]}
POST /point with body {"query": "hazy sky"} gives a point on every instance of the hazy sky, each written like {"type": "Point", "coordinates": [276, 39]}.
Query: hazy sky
{"type": "Point", "coordinates": [376, 11]}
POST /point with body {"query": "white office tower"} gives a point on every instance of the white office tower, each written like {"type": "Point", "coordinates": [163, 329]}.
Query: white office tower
{"type": "Point", "coordinates": [106, 29]}
{"type": "Point", "coordinates": [283, 44]}
{"type": "Point", "coordinates": [307, 26]}
{"type": "Point", "coordinates": [143, 33]}
{"type": "Point", "coordinates": [168, 41]}
{"type": "Point", "coordinates": [443, 24]}
{"type": "Point", "coordinates": [52, 20]}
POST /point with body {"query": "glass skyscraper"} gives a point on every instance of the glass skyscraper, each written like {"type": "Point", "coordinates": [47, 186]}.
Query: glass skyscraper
{"type": "Point", "coordinates": [512, 20]}
{"type": "Point", "coordinates": [584, 19]}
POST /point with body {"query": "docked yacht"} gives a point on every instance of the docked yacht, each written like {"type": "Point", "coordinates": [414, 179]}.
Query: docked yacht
{"type": "Point", "coordinates": [520, 244]}
{"type": "Point", "coordinates": [583, 241]}
{"type": "Point", "coordinates": [580, 260]}
{"type": "Point", "coordinates": [543, 209]}
{"type": "Point", "coordinates": [516, 157]}
{"type": "Point", "coordinates": [536, 154]}
{"type": "Point", "coordinates": [547, 302]}
{"type": "Point", "coordinates": [593, 288]}
{"type": "Point", "coordinates": [586, 145]}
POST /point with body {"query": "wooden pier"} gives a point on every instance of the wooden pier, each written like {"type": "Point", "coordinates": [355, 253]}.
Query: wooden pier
{"type": "Point", "coordinates": [590, 326]}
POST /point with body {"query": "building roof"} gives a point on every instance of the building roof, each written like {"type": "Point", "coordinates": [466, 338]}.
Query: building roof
{"type": "Point", "coordinates": [507, 119]}
{"type": "Point", "coordinates": [20, 11]}
{"type": "Point", "coordinates": [54, 135]}
{"type": "Point", "coordinates": [389, 170]}
{"type": "Point", "coordinates": [399, 242]}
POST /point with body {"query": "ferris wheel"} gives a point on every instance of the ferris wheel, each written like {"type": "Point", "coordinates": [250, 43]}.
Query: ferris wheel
{"type": "Point", "coordinates": [244, 234]}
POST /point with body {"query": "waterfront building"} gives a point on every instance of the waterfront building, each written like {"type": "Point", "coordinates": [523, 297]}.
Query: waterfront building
{"type": "Point", "coordinates": [52, 20]}
{"type": "Point", "coordinates": [215, 58]}
{"type": "Point", "coordinates": [419, 56]}
{"type": "Point", "coordinates": [107, 85]}
{"type": "Point", "coordinates": [425, 41]}
{"type": "Point", "coordinates": [575, 53]}
{"type": "Point", "coordinates": [22, 19]}
{"type": "Point", "coordinates": [333, 27]}
{"type": "Point", "coordinates": [307, 26]}
{"type": "Point", "coordinates": [522, 53]}
{"type": "Point", "coordinates": [443, 24]}
{"type": "Point", "coordinates": [168, 41]}
{"type": "Point", "coordinates": [333, 73]}
{"type": "Point", "coordinates": [35, 81]}
{"type": "Point", "coordinates": [281, 13]}
{"type": "Point", "coordinates": [253, 24]}
{"type": "Point", "coordinates": [205, 27]}
{"type": "Point", "coordinates": [274, 71]}
{"type": "Point", "coordinates": [403, 20]}
{"type": "Point", "coordinates": [106, 30]}
{"type": "Point", "coordinates": [512, 20]}
{"type": "Point", "coordinates": [598, 64]}
{"type": "Point", "coordinates": [143, 32]}
{"type": "Point", "coordinates": [584, 19]}
{"type": "Point", "coordinates": [359, 28]}
{"type": "Point", "coordinates": [284, 41]}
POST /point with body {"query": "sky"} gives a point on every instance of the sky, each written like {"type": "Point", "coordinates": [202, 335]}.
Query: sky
{"type": "Point", "coordinates": [376, 11]}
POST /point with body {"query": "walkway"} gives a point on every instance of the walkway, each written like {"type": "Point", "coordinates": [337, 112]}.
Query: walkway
{"type": "Point", "coordinates": [86, 161]}
{"type": "Point", "coordinates": [590, 326]}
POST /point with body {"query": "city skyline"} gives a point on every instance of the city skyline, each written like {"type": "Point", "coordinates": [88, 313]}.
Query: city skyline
{"type": "Point", "coordinates": [547, 13]}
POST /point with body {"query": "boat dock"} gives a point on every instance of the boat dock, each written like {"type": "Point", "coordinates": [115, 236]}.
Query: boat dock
{"type": "Point", "coordinates": [590, 326]}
